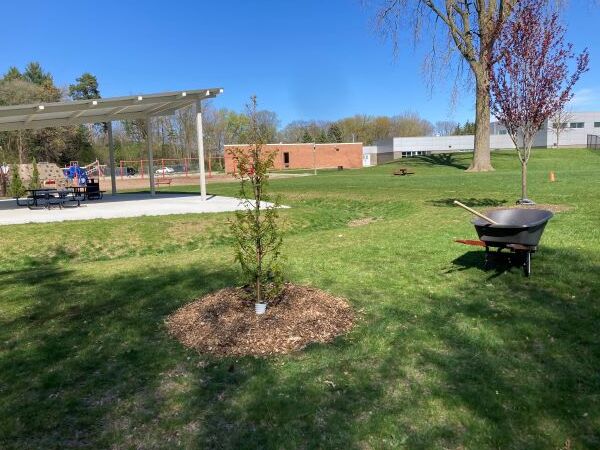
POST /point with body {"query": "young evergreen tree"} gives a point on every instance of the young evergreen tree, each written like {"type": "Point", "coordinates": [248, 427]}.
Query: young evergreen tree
{"type": "Point", "coordinates": [257, 235]}
{"type": "Point", "coordinates": [34, 182]}
{"type": "Point", "coordinates": [16, 184]}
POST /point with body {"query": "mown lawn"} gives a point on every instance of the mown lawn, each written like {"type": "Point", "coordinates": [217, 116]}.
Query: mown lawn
{"type": "Point", "coordinates": [444, 354]}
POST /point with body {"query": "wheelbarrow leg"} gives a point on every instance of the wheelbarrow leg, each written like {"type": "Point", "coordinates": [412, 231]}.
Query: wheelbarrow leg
{"type": "Point", "coordinates": [527, 264]}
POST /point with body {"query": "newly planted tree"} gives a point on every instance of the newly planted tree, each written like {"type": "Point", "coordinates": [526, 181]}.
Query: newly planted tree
{"type": "Point", "coordinates": [531, 79]}
{"type": "Point", "coordinates": [257, 235]}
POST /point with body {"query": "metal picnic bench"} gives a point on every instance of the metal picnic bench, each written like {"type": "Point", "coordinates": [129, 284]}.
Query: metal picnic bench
{"type": "Point", "coordinates": [48, 197]}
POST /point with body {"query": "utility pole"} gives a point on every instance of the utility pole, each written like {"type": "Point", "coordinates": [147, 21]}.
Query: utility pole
{"type": "Point", "coordinates": [315, 157]}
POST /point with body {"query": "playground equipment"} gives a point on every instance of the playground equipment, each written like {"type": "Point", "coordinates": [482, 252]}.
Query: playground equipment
{"type": "Point", "coordinates": [50, 174]}
{"type": "Point", "coordinates": [79, 175]}
{"type": "Point", "coordinates": [182, 166]}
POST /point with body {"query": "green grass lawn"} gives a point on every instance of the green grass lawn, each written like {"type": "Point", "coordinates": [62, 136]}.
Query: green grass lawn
{"type": "Point", "coordinates": [443, 355]}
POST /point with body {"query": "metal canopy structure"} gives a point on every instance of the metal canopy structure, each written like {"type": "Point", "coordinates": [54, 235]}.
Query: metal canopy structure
{"type": "Point", "coordinates": [106, 110]}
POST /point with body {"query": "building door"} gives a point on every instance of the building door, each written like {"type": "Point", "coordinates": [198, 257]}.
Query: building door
{"type": "Point", "coordinates": [286, 159]}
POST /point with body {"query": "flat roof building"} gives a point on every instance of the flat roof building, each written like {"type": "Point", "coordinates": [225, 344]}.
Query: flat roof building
{"type": "Point", "coordinates": [307, 156]}
{"type": "Point", "coordinates": [573, 133]}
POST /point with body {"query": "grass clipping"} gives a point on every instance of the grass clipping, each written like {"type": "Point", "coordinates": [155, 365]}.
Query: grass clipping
{"type": "Point", "coordinates": [224, 324]}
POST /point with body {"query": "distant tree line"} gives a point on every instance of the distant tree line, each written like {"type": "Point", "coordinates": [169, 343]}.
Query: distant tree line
{"type": "Point", "coordinates": [61, 144]}
{"type": "Point", "coordinates": [174, 136]}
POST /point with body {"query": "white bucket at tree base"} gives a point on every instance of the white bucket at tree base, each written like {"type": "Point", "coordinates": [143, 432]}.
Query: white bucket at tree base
{"type": "Point", "coordinates": [260, 308]}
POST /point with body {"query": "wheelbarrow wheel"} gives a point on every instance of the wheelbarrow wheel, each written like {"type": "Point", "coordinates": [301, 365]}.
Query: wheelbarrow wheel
{"type": "Point", "coordinates": [527, 264]}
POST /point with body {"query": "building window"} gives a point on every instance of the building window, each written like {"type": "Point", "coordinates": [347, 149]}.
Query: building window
{"type": "Point", "coordinates": [502, 132]}
{"type": "Point", "coordinates": [286, 159]}
{"type": "Point", "coordinates": [577, 124]}
{"type": "Point", "coordinates": [596, 124]}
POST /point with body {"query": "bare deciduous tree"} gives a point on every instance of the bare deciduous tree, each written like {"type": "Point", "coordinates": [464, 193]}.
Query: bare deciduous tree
{"type": "Point", "coordinates": [469, 30]}
{"type": "Point", "coordinates": [560, 123]}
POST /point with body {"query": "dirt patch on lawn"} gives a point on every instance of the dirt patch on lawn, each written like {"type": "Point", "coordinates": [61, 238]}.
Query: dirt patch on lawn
{"type": "Point", "coordinates": [224, 323]}
{"type": "Point", "coordinates": [549, 207]}
{"type": "Point", "coordinates": [362, 222]}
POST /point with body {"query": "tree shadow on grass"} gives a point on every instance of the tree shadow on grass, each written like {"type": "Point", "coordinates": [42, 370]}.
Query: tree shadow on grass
{"type": "Point", "coordinates": [472, 202]}
{"type": "Point", "coordinates": [509, 365]}
{"type": "Point", "coordinates": [441, 159]}
{"type": "Point", "coordinates": [85, 347]}
{"type": "Point", "coordinates": [499, 262]}
{"type": "Point", "coordinates": [520, 355]}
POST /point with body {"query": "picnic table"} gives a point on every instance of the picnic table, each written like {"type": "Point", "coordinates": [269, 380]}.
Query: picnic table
{"type": "Point", "coordinates": [402, 171]}
{"type": "Point", "coordinates": [48, 197]}
{"type": "Point", "coordinates": [91, 191]}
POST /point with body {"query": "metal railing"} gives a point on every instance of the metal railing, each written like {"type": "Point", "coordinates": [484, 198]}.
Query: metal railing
{"type": "Point", "coordinates": [593, 142]}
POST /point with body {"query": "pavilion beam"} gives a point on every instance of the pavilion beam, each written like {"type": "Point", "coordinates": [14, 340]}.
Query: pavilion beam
{"type": "Point", "coordinates": [200, 143]}
{"type": "Point", "coordinates": [150, 156]}
{"type": "Point", "coordinates": [111, 156]}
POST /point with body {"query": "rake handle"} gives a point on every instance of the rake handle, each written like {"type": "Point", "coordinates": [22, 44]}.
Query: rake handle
{"type": "Point", "coordinates": [478, 214]}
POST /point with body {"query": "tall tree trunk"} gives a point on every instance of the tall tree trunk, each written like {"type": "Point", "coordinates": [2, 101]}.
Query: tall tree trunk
{"type": "Point", "coordinates": [20, 147]}
{"type": "Point", "coordinates": [523, 180]}
{"type": "Point", "coordinates": [481, 156]}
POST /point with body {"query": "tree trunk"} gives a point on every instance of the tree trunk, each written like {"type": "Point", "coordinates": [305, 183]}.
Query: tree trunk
{"type": "Point", "coordinates": [523, 180]}
{"type": "Point", "coordinates": [20, 147]}
{"type": "Point", "coordinates": [481, 156]}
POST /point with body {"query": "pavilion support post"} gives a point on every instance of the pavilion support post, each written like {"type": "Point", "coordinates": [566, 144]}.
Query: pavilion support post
{"type": "Point", "coordinates": [150, 156]}
{"type": "Point", "coordinates": [200, 142]}
{"type": "Point", "coordinates": [111, 157]}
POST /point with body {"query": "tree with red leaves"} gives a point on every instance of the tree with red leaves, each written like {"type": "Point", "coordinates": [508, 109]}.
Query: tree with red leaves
{"type": "Point", "coordinates": [531, 79]}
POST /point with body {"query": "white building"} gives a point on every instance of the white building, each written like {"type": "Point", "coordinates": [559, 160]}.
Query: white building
{"type": "Point", "coordinates": [573, 134]}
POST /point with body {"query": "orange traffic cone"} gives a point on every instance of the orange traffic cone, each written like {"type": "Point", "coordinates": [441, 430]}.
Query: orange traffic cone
{"type": "Point", "coordinates": [552, 177]}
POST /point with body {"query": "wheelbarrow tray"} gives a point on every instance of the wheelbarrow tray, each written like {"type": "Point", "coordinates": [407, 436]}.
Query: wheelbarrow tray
{"type": "Point", "coordinates": [514, 226]}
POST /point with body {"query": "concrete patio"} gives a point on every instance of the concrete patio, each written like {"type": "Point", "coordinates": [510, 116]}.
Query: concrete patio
{"type": "Point", "coordinates": [118, 206]}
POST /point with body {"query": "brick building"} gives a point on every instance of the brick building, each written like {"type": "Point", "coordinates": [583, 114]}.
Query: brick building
{"type": "Point", "coordinates": [307, 156]}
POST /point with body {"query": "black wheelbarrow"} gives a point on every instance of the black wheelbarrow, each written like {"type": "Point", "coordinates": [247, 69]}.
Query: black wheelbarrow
{"type": "Point", "coordinates": [515, 229]}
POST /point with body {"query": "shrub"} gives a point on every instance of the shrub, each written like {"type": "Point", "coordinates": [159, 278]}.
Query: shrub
{"type": "Point", "coordinates": [34, 182]}
{"type": "Point", "coordinates": [16, 184]}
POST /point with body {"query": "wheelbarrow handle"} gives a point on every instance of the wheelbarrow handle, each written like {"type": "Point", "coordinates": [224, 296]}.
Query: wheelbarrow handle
{"type": "Point", "coordinates": [478, 214]}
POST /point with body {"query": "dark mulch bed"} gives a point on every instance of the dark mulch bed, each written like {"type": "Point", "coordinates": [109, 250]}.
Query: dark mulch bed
{"type": "Point", "coordinates": [224, 323]}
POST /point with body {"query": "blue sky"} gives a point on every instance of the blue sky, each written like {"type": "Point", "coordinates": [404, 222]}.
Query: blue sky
{"type": "Point", "coordinates": [305, 59]}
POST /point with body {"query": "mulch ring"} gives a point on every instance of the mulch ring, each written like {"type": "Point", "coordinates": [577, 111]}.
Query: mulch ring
{"type": "Point", "coordinates": [224, 322]}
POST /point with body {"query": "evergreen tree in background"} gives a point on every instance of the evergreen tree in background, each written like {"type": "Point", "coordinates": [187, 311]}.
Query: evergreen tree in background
{"type": "Point", "coordinates": [467, 129]}
{"type": "Point", "coordinates": [334, 134]}
{"type": "Point", "coordinates": [86, 88]}
{"type": "Point", "coordinates": [36, 75]}
{"type": "Point", "coordinates": [16, 184]}
{"type": "Point", "coordinates": [321, 137]}
{"type": "Point", "coordinates": [34, 183]}
{"type": "Point", "coordinates": [13, 74]}
{"type": "Point", "coordinates": [306, 137]}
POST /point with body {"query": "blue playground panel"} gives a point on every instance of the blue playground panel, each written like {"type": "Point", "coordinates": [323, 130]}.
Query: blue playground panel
{"type": "Point", "coordinates": [73, 171]}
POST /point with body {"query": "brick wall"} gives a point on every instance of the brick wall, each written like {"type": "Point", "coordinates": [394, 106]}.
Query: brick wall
{"type": "Point", "coordinates": [302, 156]}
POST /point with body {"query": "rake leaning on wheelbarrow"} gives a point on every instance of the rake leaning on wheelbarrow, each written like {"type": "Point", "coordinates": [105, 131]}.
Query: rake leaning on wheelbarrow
{"type": "Point", "coordinates": [515, 229]}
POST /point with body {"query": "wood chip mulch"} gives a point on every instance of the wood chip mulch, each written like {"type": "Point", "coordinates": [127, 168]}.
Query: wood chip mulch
{"type": "Point", "coordinates": [224, 323]}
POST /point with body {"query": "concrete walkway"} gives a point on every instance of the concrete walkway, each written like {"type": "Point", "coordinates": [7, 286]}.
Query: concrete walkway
{"type": "Point", "coordinates": [122, 205]}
